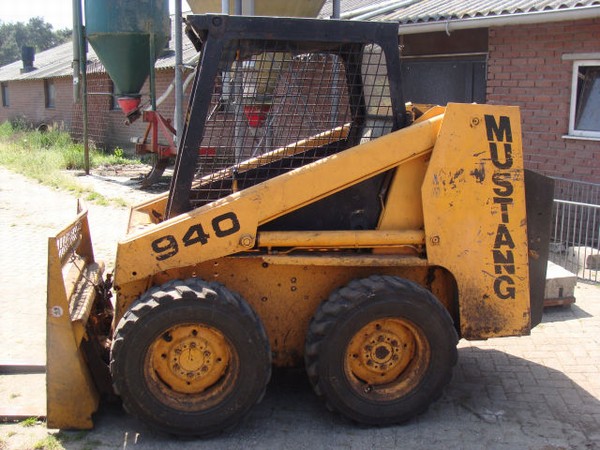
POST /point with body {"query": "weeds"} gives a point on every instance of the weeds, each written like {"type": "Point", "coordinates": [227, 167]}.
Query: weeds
{"type": "Point", "coordinates": [25, 150]}
{"type": "Point", "coordinates": [71, 436]}
{"type": "Point", "coordinates": [48, 443]}
{"type": "Point", "coordinates": [44, 156]}
{"type": "Point", "coordinates": [29, 422]}
{"type": "Point", "coordinates": [97, 198]}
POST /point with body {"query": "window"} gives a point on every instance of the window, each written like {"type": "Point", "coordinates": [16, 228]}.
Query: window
{"type": "Point", "coordinates": [50, 93]}
{"type": "Point", "coordinates": [584, 120]}
{"type": "Point", "coordinates": [5, 98]}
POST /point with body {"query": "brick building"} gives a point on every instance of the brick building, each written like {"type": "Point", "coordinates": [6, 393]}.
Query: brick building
{"type": "Point", "coordinates": [42, 94]}
{"type": "Point", "coordinates": [541, 67]}
{"type": "Point", "coordinates": [541, 56]}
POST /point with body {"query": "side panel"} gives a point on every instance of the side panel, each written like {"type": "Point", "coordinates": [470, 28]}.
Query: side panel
{"type": "Point", "coordinates": [475, 217]}
{"type": "Point", "coordinates": [540, 196]}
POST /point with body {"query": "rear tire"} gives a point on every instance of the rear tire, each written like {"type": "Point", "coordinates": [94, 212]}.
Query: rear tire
{"type": "Point", "coordinates": [190, 358]}
{"type": "Point", "coordinates": [380, 350]}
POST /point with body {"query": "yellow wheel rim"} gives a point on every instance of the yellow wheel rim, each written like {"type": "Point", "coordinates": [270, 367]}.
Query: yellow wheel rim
{"type": "Point", "coordinates": [190, 358]}
{"type": "Point", "coordinates": [390, 355]}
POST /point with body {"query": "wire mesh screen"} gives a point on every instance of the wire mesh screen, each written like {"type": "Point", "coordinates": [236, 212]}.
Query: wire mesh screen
{"type": "Point", "coordinates": [274, 111]}
{"type": "Point", "coordinates": [99, 88]}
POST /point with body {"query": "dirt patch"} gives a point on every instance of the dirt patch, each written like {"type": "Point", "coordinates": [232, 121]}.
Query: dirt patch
{"type": "Point", "coordinates": [123, 183]}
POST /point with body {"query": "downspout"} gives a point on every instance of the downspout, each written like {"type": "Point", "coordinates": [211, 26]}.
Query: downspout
{"type": "Point", "coordinates": [178, 72]}
{"type": "Point", "coordinates": [166, 94]}
{"type": "Point", "coordinates": [80, 77]}
{"type": "Point", "coordinates": [336, 13]}
{"type": "Point", "coordinates": [76, 55]}
{"type": "Point", "coordinates": [532, 18]}
{"type": "Point", "coordinates": [83, 65]}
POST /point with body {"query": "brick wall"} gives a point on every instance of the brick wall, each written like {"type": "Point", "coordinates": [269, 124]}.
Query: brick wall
{"type": "Point", "coordinates": [106, 126]}
{"type": "Point", "coordinates": [525, 68]}
{"type": "Point", "coordinates": [99, 104]}
{"type": "Point", "coordinates": [120, 134]}
{"type": "Point", "coordinates": [27, 100]}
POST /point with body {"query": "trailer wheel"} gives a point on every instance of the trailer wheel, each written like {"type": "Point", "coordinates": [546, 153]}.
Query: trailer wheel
{"type": "Point", "coordinates": [380, 350]}
{"type": "Point", "coordinates": [190, 358]}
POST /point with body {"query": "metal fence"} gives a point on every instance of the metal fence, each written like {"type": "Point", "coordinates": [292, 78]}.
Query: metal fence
{"type": "Point", "coordinates": [575, 240]}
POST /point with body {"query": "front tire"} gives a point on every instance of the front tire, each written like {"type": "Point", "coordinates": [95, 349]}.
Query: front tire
{"type": "Point", "coordinates": [190, 358]}
{"type": "Point", "coordinates": [380, 350]}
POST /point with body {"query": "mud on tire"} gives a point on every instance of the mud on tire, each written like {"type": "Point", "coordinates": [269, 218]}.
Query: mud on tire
{"type": "Point", "coordinates": [380, 350]}
{"type": "Point", "coordinates": [190, 358]}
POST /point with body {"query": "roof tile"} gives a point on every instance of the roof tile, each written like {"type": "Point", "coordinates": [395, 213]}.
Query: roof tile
{"type": "Point", "coordinates": [56, 62]}
{"type": "Point", "coordinates": [437, 10]}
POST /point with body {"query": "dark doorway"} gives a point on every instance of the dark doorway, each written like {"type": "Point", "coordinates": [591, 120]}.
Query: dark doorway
{"type": "Point", "coordinates": [444, 80]}
{"type": "Point", "coordinates": [445, 67]}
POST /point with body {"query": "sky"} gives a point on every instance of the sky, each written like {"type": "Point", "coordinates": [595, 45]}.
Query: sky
{"type": "Point", "coordinates": [56, 12]}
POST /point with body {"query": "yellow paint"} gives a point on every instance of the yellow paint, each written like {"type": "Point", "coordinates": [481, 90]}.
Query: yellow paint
{"type": "Point", "coordinates": [285, 290]}
{"type": "Point", "coordinates": [72, 397]}
{"type": "Point", "coordinates": [456, 213]}
{"type": "Point", "coordinates": [153, 211]}
{"type": "Point", "coordinates": [192, 360]}
{"type": "Point", "coordinates": [381, 350]}
{"type": "Point", "coordinates": [267, 201]}
{"type": "Point", "coordinates": [475, 216]}
{"type": "Point", "coordinates": [341, 239]}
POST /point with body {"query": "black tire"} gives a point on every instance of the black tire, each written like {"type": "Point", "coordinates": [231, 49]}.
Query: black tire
{"type": "Point", "coordinates": [190, 358]}
{"type": "Point", "coordinates": [380, 350]}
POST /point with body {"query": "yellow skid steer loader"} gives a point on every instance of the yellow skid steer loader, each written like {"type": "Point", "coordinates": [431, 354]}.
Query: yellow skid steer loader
{"type": "Point", "coordinates": [333, 226]}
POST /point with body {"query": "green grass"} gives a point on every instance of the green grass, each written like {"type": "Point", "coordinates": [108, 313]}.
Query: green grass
{"type": "Point", "coordinates": [45, 156]}
{"type": "Point", "coordinates": [48, 443]}
{"type": "Point", "coordinates": [71, 436]}
{"type": "Point", "coordinates": [29, 422]}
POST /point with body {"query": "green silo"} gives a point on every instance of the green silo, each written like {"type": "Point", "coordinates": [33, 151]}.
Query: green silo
{"type": "Point", "coordinates": [121, 34]}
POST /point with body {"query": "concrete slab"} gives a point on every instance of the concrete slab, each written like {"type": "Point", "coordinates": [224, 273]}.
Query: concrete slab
{"type": "Point", "coordinates": [560, 286]}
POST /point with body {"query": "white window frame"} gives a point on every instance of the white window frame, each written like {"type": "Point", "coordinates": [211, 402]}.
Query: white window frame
{"type": "Point", "coordinates": [573, 132]}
